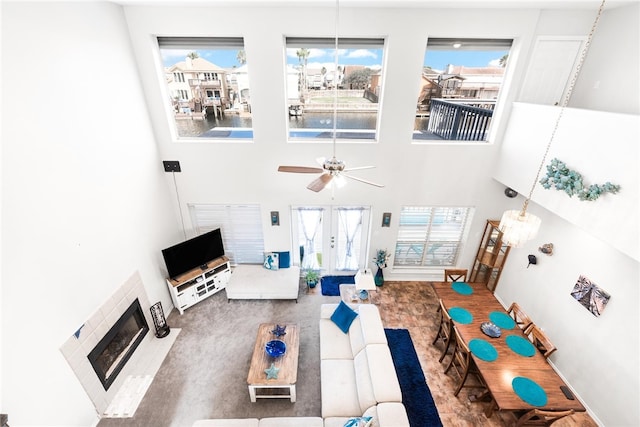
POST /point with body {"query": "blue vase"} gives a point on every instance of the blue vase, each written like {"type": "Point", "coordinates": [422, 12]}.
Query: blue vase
{"type": "Point", "coordinates": [378, 279]}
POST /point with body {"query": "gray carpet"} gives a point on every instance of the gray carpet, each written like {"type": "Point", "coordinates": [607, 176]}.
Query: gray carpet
{"type": "Point", "coordinates": [205, 373]}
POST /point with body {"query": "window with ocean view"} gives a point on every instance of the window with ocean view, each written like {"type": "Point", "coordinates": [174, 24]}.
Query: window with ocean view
{"type": "Point", "coordinates": [208, 92]}
{"type": "Point", "coordinates": [460, 84]}
{"type": "Point", "coordinates": [317, 84]}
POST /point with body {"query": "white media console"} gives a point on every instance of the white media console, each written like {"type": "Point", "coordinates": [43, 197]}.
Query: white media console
{"type": "Point", "coordinates": [194, 286]}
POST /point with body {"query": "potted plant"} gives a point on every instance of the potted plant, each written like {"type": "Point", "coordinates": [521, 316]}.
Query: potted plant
{"type": "Point", "coordinates": [380, 261]}
{"type": "Point", "coordinates": [311, 277]}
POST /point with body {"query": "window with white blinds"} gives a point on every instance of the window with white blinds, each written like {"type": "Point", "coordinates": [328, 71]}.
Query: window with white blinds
{"type": "Point", "coordinates": [241, 228]}
{"type": "Point", "coordinates": [430, 236]}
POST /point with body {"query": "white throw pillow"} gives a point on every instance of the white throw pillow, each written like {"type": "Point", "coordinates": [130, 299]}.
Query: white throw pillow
{"type": "Point", "coordinates": [358, 422]}
{"type": "Point", "coordinates": [373, 413]}
{"type": "Point", "coordinates": [271, 261]}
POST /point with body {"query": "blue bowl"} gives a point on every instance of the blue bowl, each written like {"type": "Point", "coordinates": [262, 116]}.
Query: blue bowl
{"type": "Point", "coordinates": [275, 348]}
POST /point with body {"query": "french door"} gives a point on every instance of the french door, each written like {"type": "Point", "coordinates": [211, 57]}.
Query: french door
{"type": "Point", "coordinates": [332, 239]}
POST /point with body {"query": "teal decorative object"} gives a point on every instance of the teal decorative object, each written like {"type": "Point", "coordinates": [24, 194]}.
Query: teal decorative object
{"type": "Point", "coordinates": [570, 181]}
{"type": "Point", "coordinates": [272, 372]}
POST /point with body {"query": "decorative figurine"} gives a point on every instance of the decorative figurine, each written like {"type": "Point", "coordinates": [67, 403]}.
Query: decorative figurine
{"type": "Point", "coordinates": [279, 330]}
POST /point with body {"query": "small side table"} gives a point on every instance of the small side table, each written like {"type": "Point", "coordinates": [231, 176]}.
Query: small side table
{"type": "Point", "coordinates": [350, 295]}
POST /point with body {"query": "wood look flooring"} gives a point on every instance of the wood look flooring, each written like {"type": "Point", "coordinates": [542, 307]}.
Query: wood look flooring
{"type": "Point", "coordinates": [413, 305]}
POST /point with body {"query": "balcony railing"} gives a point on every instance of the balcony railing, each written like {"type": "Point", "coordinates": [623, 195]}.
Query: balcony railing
{"type": "Point", "coordinates": [461, 120]}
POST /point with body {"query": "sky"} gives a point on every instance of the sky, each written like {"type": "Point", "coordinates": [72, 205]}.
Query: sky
{"type": "Point", "coordinates": [325, 57]}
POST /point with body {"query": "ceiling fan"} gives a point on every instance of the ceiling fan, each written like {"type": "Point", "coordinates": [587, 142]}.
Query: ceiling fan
{"type": "Point", "coordinates": [331, 170]}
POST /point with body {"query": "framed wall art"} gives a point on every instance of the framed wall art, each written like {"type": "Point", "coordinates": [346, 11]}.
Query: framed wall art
{"type": "Point", "coordinates": [590, 296]}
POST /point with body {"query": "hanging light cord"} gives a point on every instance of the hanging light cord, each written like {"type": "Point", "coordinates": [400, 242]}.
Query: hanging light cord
{"type": "Point", "coordinates": [565, 102]}
{"type": "Point", "coordinates": [175, 184]}
{"type": "Point", "coordinates": [335, 80]}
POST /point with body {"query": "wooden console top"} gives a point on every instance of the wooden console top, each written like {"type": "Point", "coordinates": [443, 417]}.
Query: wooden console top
{"type": "Point", "coordinates": [185, 277]}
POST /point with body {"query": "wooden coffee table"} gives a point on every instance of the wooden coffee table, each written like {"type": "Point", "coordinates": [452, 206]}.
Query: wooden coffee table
{"type": "Point", "coordinates": [285, 385]}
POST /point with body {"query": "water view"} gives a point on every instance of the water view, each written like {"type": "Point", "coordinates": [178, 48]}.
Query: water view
{"type": "Point", "coordinates": [309, 125]}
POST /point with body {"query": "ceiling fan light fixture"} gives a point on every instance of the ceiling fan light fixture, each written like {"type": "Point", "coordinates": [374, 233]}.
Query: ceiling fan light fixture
{"type": "Point", "coordinates": [339, 181]}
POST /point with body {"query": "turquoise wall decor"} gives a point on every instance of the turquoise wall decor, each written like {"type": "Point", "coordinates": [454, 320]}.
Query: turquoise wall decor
{"type": "Point", "coordinates": [562, 178]}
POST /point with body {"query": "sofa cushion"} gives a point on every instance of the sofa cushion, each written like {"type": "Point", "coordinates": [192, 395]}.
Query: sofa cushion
{"type": "Point", "coordinates": [253, 281]}
{"type": "Point", "coordinates": [335, 344]}
{"type": "Point", "coordinates": [231, 422]}
{"type": "Point", "coordinates": [343, 316]}
{"type": "Point", "coordinates": [292, 422]}
{"type": "Point", "coordinates": [366, 396]}
{"type": "Point", "coordinates": [392, 414]}
{"type": "Point", "coordinates": [338, 391]}
{"type": "Point", "coordinates": [386, 387]}
{"type": "Point", "coordinates": [369, 330]}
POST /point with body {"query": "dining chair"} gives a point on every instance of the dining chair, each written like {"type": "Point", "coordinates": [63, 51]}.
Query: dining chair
{"type": "Point", "coordinates": [540, 340]}
{"type": "Point", "coordinates": [463, 364]}
{"type": "Point", "coordinates": [455, 275]}
{"type": "Point", "coordinates": [445, 330]}
{"type": "Point", "coordinates": [522, 319]}
{"type": "Point", "coordinates": [539, 417]}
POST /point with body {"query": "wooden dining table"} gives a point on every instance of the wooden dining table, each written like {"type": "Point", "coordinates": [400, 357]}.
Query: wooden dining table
{"type": "Point", "coordinates": [498, 374]}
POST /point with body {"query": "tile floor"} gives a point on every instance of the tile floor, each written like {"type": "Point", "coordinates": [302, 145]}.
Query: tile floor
{"type": "Point", "coordinates": [412, 305]}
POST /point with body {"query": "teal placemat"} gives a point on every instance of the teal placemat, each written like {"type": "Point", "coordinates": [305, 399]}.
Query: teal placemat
{"type": "Point", "coordinates": [460, 315]}
{"type": "Point", "coordinates": [483, 349]}
{"type": "Point", "coordinates": [502, 320]}
{"type": "Point", "coordinates": [529, 391]}
{"type": "Point", "coordinates": [462, 288]}
{"type": "Point", "coordinates": [520, 345]}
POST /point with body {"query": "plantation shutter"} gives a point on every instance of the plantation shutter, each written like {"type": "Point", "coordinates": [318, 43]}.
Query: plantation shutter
{"type": "Point", "coordinates": [430, 236]}
{"type": "Point", "coordinates": [241, 228]}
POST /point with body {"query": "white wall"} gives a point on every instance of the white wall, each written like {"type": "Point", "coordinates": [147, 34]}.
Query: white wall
{"type": "Point", "coordinates": [82, 175]}
{"type": "Point", "coordinates": [609, 80]}
{"type": "Point", "coordinates": [84, 203]}
{"type": "Point", "coordinates": [599, 357]}
{"type": "Point", "coordinates": [414, 174]}
{"type": "Point", "coordinates": [432, 174]}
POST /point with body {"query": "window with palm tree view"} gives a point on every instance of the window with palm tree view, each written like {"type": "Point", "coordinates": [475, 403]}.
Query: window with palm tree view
{"type": "Point", "coordinates": [207, 87]}
{"type": "Point", "coordinates": [460, 83]}
{"type": "Point", "coordinates": [319, 85]}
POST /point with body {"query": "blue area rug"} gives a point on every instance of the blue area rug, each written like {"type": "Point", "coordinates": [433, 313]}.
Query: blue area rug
{"type": "Point", "coordinates": [416, 396]}
{"type": "Point", "coordinates": [331, 284]}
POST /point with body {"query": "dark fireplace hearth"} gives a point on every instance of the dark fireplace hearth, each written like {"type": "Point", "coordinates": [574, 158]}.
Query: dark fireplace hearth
{"type": "Point", "coordinates": [114, 350]}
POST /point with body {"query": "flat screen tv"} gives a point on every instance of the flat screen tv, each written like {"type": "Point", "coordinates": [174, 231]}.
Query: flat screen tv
{"type": "Point", "coordinates": [193, 253]}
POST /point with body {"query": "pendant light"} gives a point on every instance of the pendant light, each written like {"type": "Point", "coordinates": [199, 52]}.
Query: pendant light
{"type": "Point", "coordinates": [518, 227]}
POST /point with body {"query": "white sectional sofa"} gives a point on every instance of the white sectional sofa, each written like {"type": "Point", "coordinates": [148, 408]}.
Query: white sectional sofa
{"type": "Point", "coordinates": [253, 281]}
{"type": "Point", "coordinates": [357, 377]}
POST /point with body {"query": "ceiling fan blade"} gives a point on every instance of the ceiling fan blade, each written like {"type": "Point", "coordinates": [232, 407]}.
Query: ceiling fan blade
{"type": "Point", "coordinates": [319, 183]}
{"type": "Point", "coordinates": [362, 180]}
{"type": "Point", "coordinates": [300, 169]}
{"type": "Point", "coordinates": [358, 168]}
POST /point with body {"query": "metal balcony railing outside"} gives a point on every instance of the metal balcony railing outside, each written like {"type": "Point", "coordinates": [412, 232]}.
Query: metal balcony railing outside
{"type": "Point", "coordinates": [461, 120]}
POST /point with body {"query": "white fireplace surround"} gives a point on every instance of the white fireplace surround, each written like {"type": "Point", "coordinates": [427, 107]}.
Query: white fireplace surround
{"type": "Point", "coordinates": [146, 359]}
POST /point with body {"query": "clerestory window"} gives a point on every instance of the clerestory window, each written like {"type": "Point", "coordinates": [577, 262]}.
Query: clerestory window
{"type": "Point", "coordinates": [207, 88]}
{"type": "Point", "coordinates": [317, 85]}
{"type": "Point", "coordinates": [460, 86]}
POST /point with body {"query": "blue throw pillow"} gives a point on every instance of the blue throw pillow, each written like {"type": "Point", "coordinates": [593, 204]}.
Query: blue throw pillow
{"type": "Point", "coordinates": [284, 259]}
{"type": "Point", "coordinates": [343, 317]}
